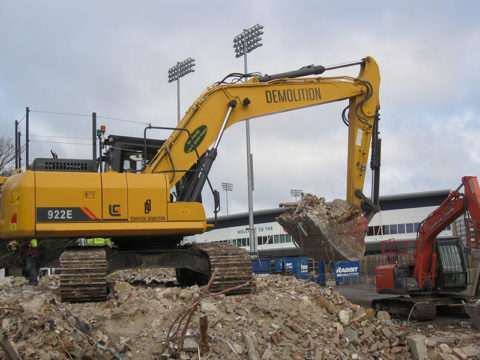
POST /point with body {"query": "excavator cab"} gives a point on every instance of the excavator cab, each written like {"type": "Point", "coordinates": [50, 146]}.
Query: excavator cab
{"type": "Point", "coordinates": [122, 153]}
{"type": "Point", "coordinates": [451, 272]}
{"type": "Point", "coordinates": [127, 153]}
{"type": "Point", "coordinates": [451, 267]}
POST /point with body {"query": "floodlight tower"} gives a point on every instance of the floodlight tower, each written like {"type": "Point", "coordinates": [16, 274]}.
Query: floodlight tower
{"type": "Point", "coordinates": [227, 187]}
{"type": "Point", "coordinates": [296, 193]}
{"type": "Point", "coordinates": [177, 71]}
{"type": "Point", "coordinates": [243, 43]}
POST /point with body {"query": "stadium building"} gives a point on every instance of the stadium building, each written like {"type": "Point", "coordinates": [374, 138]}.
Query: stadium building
{"type": "Point", "coordinates": [399, 219]}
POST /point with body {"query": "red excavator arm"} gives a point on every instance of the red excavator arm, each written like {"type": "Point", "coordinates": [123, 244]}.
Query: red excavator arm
{"type": "Point", "coordinates": [453, 206]}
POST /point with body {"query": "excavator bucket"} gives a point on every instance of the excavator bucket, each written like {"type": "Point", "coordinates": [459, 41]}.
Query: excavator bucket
{"type": "Point", "coordinates": [325, 231]}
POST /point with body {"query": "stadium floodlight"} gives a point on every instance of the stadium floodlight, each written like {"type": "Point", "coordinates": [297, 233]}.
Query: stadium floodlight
{"type": "Point", "coordinates": [243, 43]}
{"type": "Point", "coordinates": [296, 193]}
{"type": "Point", "coordinates": [227, 187]}
{"type": "Point", "coordinates": [248, 40]}
{"type": "Point", "coordinates": [181, 69]}
{"type": "Point", "coordinates": [177, 71]}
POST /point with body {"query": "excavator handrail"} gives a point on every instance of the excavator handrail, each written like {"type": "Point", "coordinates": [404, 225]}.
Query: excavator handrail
{"type": "Point", "coordinates": [164, 128]}
{"type": "Point", "coordinates": [202, 169]}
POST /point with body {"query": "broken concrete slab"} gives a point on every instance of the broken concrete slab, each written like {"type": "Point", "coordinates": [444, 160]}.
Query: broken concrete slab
{"type": "Point", "coordinates": [417, 344]}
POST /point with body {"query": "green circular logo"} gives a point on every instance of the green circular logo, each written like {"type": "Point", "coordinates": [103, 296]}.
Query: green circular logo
{"type": "Point", "coordinates": [195, 139]}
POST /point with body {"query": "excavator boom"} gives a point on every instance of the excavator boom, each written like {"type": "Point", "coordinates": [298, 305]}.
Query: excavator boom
{"type": "Point", "coordinates": [223, 105]}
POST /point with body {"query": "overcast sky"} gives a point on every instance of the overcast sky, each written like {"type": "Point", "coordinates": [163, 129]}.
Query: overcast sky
{"type": "Point", "coordinates": [112, 58]}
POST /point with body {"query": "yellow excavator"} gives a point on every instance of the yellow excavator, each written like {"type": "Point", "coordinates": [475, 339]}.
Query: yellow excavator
{"type": "Point", "coordinates": [147, 212]}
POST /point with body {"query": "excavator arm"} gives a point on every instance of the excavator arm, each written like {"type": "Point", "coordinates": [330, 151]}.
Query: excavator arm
{"type": "Point", "coordinates": [193, 144]}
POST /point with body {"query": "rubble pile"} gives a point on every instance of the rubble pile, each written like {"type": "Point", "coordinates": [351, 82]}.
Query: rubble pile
{"type": "Point", "coordinates": [143, 276]}
{"type": "Point", "coordinates": [325, 230]}
{"type": "Point", "coordinates": [285, 318]}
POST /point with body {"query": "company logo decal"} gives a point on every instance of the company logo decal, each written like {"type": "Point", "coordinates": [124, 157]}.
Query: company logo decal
{"type": "Point", "coordinates": [148, 206]}
{"type": "Point", "coordinates": [195, 139]}
{"type": "Point", "coordinates": [347, 270]}
{"type": "Point", "coordinates": [114, 209]}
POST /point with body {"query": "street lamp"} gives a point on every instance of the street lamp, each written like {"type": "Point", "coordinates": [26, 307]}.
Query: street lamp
{"type": "Point", "coordinates": [227, 187]}
{"type": "Point", "coordinates": [176, 72]}
{"type": "Point", "coordinates": [243, 43]}
{"type": "Point", "coordinates": [296, 193]}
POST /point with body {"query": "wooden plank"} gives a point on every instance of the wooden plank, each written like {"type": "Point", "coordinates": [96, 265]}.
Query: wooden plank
{"type": "Point", "coordinates": [203, 335]}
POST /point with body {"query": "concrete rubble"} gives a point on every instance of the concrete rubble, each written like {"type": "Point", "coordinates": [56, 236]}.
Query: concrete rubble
{"type": "Point", "coordinates": [285, 318]}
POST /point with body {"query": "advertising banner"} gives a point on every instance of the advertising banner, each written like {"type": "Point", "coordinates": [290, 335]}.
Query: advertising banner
{"type": "Point", "coordinates": [346, 271]}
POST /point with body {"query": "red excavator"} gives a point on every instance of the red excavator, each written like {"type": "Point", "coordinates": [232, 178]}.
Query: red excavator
{"type": "Point", "coordinates": [439, 273]}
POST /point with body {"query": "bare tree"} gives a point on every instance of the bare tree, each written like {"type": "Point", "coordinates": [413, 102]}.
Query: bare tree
{"type": "Point", "coordinates": [7, 156]}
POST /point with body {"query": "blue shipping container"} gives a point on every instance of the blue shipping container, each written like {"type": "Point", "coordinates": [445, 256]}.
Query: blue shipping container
{"type": "Point", "coordinates": [302, 266]}
{"type": "Point", "coordinates": [296, 266]}
{"type": "Point", "coordinates": [321, 272]}
{"type": "Point", "coordinates": [261, 266]}
{"type": "Point", "coordinates": [285, 265]}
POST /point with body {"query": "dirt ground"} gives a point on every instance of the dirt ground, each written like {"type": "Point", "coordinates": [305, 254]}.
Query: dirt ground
{"type": "Point", "coordinates": [147, 317]}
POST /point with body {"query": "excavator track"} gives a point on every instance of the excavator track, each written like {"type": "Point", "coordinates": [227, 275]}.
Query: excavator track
{"type": "Point", "coordinates": [233, 265]}
{"type": "Point", "coordinates": [84, 270]}
{"type": "Point", "coordinates": [423, 310]}
{"type": "Point", "coordinates": [407, 307]}
{"type": "Point", "coordinates": [83, 275]}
